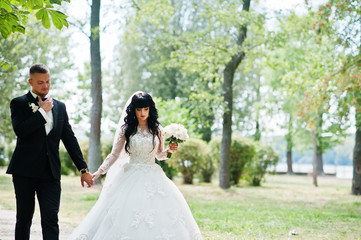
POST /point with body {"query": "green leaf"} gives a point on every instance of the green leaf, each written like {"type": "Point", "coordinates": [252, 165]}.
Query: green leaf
{"type": "Point", "coordinates": [5, 6]}
{"type": "Point", "coordinates": [43, 15]}
{"type": "Point", "coordinates": [39, 14]}
{"type": "Point", "coordinates": [58, 2]}
{"type": "Point", "coordinates": [13, 17]}
{"type": "Point", "coordinates": [18, 28]}
{"type": "Point", "coordinates": [59, 14]}
{"type": "Point", "coordinates": [4, 32]}
{"type": "Point", "coordinates": [38, 3]}
{"type": "Point", "coordinates": [56, 20]}
{"type": "Point", "coordinates": [59, 19]}
{"type": "Point", "coordinates": [5, 66]}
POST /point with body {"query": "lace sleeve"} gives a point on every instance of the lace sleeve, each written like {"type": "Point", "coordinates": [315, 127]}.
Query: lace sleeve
{"type": "Point", "coordinates": [118, 146]}
{"type": "Point", "coordinates": [161, 153]}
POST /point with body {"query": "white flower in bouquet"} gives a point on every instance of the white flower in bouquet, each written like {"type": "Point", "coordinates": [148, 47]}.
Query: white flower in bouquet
{"type": "Point", "coordinates": [175, 133]}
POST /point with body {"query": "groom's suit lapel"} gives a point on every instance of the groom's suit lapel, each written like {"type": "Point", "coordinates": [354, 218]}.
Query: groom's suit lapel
{"type": "Point", "coordinates": [55, 116]}
{"type": "Point", "coordinates": [31, 99]}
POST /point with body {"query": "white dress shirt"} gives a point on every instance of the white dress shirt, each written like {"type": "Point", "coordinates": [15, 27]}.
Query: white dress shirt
{"type": "Point", "coordinates": [48, 116]}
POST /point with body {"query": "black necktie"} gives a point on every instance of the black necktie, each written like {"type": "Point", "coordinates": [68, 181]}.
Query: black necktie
{"type": "Point", "coordinates": [43, 99]}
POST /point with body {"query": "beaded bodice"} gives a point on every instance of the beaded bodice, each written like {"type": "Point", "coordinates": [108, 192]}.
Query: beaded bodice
{"type": "Point", "coordinates": [142, 149]}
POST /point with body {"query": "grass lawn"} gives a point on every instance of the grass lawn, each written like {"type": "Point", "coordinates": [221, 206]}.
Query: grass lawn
{"type": "Point", "coordinates": [284, 204]}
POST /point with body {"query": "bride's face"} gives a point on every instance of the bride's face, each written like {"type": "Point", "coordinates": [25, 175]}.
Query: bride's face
{"type": "Point", "coordinates": [142, 113]}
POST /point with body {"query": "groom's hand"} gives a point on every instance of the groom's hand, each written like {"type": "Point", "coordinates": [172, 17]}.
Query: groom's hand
{"type": "Point", "coordinates": [47, 105]}
{"type": "Point", "coordinates": [86, 177]}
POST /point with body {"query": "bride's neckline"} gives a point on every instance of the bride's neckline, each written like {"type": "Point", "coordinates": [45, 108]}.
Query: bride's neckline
{"type": "Point", "coordinates": [143, 129]}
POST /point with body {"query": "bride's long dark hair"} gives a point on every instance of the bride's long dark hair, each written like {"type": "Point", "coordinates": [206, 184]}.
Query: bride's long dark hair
{"type": "Point", "coordinates": [140, 100]}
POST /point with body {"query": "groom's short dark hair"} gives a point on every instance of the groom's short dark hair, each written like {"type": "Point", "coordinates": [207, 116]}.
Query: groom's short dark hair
{"type": "Point", "coordinates": [38, 68]}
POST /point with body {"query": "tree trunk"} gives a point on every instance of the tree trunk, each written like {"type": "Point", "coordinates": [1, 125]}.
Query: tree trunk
{"type": "Point", "coordinates": [227, 130]}
{"type": "Point", "coordinates": [289, 140]}
{"type": "Point", "coordinates": [257, 134]}
{"type": "Point", "coordinates": [289, 162]}
{"type": "Point", "coordinates": [94, 158]}
{"type": "Point", "coordinates": [319, 160]}
{"type": "Point", "coordinates": [319, 149]}
{"type": "Point", "coordinates": [314, 159]}
{"type": "Point", "coordinates": [228, 73]}
{"type": "Point", "coordinates": [356, 179]}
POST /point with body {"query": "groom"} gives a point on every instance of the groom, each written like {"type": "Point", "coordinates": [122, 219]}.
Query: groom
{"type": "Point", "coordinates": [39, 124]}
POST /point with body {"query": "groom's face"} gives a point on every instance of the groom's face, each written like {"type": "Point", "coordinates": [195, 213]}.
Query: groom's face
{"type": "Point", "coordinates": [40, 83]}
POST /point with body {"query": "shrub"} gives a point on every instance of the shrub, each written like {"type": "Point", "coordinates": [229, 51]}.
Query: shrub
{"type": "Point", "coordinates": [189, 157]}
{"type": "Point", "coordinates": [67, 165]}
{"type": "Point", "coordinates": [257, 168]}
{"type": "Point", "coordinates": [2, 156]}
{"type": "Point", "coordinates": [242, 152]}
{"type": "Point", "coordinates": [168, 169]}
{"type": "Point", "coordinates": [207, 169]}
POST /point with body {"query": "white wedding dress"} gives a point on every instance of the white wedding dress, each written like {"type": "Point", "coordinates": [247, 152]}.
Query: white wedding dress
{"type": "Point", "coordinates": [140, 202]}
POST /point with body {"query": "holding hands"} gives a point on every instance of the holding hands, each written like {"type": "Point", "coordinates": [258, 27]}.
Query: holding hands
{"type": "Point", "coordinates": [97, 174]}
{"type": "Point", "coordinates": [87, 178]}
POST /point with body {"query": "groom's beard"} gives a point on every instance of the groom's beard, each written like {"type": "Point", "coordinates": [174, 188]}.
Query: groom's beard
{"type": "Point", "coordinates": [41, 94]}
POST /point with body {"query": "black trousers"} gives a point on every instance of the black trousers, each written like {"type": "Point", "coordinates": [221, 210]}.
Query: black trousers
{"type": "Point", "coordinates": [48, 193]}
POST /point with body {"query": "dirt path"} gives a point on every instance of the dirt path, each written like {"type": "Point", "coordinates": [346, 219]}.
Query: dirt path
{"type": "Point", "coordinates": [7, 225]}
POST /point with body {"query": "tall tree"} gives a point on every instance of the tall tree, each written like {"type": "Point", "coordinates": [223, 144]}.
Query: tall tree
{"type": "Point", "coordinates": [94, 151]}
{"type": "Point", "coordinates": [310, 58]}
{"type": "Point", "coordinates": [344, 18]}
{"type": "Point", "coordinates": [228, 74]}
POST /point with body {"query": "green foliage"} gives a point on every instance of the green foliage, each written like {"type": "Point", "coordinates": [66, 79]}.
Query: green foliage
{"type": "Point", "coordinates": [2, 155]}
{"type": "Point", "coordinates": [243, 150]}
{"type": "Point", "coordinates": [178, 49]}
{"type": "Point", "coordinates": [67, 165]}
{"type": "Point", "coordinates": [207, 170]}
{"type": "Point", "coordinates": [189, 158]}
{"type": "Point", "coordinates": [168, 168]}
{"type": "Point", "coordinates": [15, 13]}
{"type": "Point", "coordinates": [300, 60]}
{"type": "Point", "coordinates": [174, 111]}
{"type": "Point", "coordinates": [344, 18]}
{"type": "Point", "coordinates": [256, 169]}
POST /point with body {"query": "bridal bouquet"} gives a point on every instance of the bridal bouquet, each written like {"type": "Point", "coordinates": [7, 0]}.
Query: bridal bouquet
{"type": "Point", "coordinates": [174, 133]}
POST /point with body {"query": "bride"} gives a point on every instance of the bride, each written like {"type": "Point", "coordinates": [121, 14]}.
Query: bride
{"type": "Point", "coordinates": [138, 201]}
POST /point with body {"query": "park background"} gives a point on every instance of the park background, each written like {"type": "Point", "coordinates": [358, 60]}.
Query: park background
{"type": "Point", "coordinates": [293, 71]}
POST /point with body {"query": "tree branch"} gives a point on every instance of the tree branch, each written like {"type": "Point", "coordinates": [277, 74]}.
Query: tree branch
{"type": "Point", "coordinates": [136, 5]}
{"type": "Point", "coordinates": [79, 28]}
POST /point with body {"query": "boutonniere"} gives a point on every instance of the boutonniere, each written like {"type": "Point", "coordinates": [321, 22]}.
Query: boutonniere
{"type": "Point", "coordinates": [33, 107]}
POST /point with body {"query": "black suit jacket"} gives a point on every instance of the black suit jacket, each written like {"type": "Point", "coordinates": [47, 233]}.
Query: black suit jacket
{"type": "Point", "coordinates": [35, 151]}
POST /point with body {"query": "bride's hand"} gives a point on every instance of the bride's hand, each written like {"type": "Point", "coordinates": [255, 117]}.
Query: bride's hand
{"type": "Point", "coordinates": [173, 147]}
{"type": "Point", "coordinates": [96, 174]}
